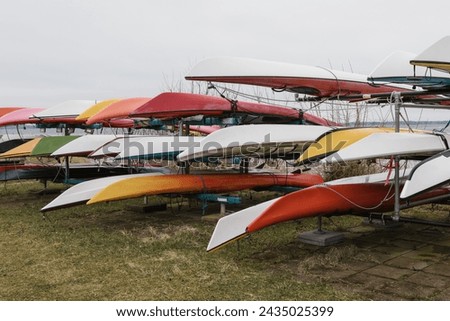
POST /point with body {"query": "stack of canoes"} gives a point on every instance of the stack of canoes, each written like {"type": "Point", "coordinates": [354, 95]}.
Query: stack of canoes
{"type": "Point", "coordinates": [239, 130]}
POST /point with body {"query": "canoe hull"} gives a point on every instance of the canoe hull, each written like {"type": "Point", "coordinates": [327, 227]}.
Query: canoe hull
{"type": "Point", "coordinates": [319, 200]}
{"type": "Point", "coordinates": [428, 174]}
{"type": "Point", "coordinates": [309, 80]}
{"type": "Point", "coordinates": [283, 141]}
{"type": "Point", "coordinates": [191, 184]}
{"type": "Point", "coordinates": [334, 140]}
{"type": "Point", "coordinates": [331, 200]}
{"type": "Point", "coordinates": [385, 145]}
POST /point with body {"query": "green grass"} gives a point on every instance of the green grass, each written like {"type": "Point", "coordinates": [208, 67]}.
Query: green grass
{"type": "Point", "coordinates": [106, 252]}
{"type": "Point", "coordinates": [109, 252]}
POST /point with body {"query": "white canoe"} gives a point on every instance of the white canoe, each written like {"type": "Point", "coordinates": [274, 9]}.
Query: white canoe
{"type": "Point", "coordinates": [436, 56]}
{"type": "Point", "coordinates": [430, 173]}
{"type": "Point", "coordinates": [70, 108]}
{"type": "Point", "coordinates": [370, 178]}
{"type": "Point", "coordinates": [309, 80]}
{"type": "Point", "coordinates": [82, 192]}
{"type": "Point", "coordinates": [83, 145]}
{"type": "Point", "coordinates": [255, 140]}
{"type": "Point", "coordinates": [238, 66]}
{"type": "Point", "coordinates": [397, 69]}
{"type": "Point", "coordinates": [157, 147]}
{"type": "Point", "coordinates": [381, 145]}
{"type": "Point", "coordinates": [114, 147]}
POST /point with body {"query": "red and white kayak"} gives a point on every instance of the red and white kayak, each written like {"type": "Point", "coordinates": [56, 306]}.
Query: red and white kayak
{"type": "Point", "coordinates": [319, 200]}
{"type": "Point", "coordinates": [309, 80]}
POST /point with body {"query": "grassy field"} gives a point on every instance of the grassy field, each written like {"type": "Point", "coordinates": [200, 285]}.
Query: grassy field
{"type": "Point", "coordinates": [108, 252]}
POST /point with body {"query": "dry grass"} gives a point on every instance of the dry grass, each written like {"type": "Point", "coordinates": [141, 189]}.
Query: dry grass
{"type": "Point", "coordinates": [109, 253]}
{"type": "Point", "coordinates": [106, 252]}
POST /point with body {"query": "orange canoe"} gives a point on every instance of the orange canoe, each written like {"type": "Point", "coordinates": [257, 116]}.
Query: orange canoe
{"type": "Point", "coordinates": [332, 200]}
{"type": "Point", "coordinates": [319, 200]}
{"type": "Point", "coordinates": [6, 110]}
{"type": "Point", "coordinates": [117, 110]}
{"type": "Point", "coordinates": [189, 184]}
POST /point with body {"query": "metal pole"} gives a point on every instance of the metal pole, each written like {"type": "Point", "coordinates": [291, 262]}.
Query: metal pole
{"type": "Point", "coordinates": [184, 165]}
{"type": "Point", "coordinates": [67, 174]}
{"type": "Point", "coordinates": [66, 158]}
{"type": "Point", "coordinates": [397, 160]}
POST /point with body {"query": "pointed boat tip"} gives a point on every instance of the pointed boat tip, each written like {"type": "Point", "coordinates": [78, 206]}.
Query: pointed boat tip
{"type": "Point", "coordinates": [91, 201]}
{"type": "Point", "coordinates": [215, 247]}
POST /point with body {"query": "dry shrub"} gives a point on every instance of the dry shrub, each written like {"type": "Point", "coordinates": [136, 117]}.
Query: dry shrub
{"type": "Point", "coordinates": [354, 168]}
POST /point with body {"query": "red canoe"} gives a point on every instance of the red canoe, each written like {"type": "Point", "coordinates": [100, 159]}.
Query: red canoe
{"type": "Point", "coordinates": [176, 105]}
{"type": "Point", "coordinates": [332, 200]}
{"type": "Point", "coordinates": [309, 80]}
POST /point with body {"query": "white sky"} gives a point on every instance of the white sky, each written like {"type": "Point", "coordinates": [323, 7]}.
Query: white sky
{"type": "Point", "coordinates": [56, 50]}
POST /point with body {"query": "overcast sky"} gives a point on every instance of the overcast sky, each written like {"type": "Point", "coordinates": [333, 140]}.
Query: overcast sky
{"type": "Point", "coordinates": [56, 50]}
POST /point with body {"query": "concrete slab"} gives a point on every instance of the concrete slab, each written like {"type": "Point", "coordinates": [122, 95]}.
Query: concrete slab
{"type": "Point", "coordinates": [424, 254]}
{"type": "Point", "coordinates": [439, 268]}
{"type": "Point", "coordinates": [443, 242]}
{"type": "Point", "coordinates": [362, 266]}
{"type": "Point", "coordinates": [404, 290]}
{"type": "Point", "coordinates": [428, 279]}
{"type": "Point", "coordinates": [425, 235]}
{"type": "Point", "coordinates": [407, 244]}
{"type": "Point", "coordinates": [389, 272]}
{"type": "Point", "coordinates": [443, 295]}
{"type": "Point", "coordinates": [364, 280]}
{"type": "Point", "coordinates": [408, 263]}
{"type": "Point", "coordinates": [321, 238]}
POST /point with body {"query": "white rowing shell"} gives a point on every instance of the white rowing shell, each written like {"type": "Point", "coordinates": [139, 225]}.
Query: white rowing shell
{"type": "Point", "coordinates": [379, 145]}
{"type": "Point", "coordinates": [147, 147]}
{"type": "Point", "coordinates": [83, 145]}
{"type": "Point", "coordinates": [82, 192]}
{"type": "Point", "coordinates": [70, 108]}
{"type": "Point", "coordinates": [255, 140]}
{"type": "Point", "coordinates": [430, 173]}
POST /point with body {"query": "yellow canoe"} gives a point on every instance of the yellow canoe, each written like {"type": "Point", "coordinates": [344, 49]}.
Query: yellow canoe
{"type": "Point", "coordinates": [435, 65]}
{"type": "Point", "coordinates": [334, 140]}
{"type": "Point", "coordinates": [95, 109]}
{"type": "Point", "coordinates": [189, 184]}
{"type": "Point", "coordinates": [23, 150]}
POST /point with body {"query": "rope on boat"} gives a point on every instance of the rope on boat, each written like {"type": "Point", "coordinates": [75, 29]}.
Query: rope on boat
{"type": "Point", "coordinates": [386, 198]}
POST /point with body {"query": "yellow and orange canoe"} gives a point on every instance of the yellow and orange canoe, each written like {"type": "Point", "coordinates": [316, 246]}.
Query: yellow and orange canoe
{"type": "Point", "coordinates": [191, 184]}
